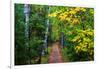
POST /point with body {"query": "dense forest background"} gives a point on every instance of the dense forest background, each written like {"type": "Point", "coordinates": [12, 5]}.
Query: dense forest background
{"type": "Point", "coordinates": [71, 27]}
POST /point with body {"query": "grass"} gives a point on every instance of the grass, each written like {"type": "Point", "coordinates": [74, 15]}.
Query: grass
{"type": "Point", "coordinates": [45, 58]}
{"type": "Point", "coordinates": [64, 55]}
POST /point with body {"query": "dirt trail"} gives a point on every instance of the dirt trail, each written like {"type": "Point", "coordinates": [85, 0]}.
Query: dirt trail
{"type": "Point", "coordinates": [55, 56]}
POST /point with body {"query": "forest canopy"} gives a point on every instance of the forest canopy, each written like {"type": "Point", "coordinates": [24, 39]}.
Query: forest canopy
{"type": "Point", "coordinates": [44, 25]}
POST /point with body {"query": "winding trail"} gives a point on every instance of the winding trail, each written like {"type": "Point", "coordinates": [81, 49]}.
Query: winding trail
{"type": "Point", "coordinates": [55, 56]}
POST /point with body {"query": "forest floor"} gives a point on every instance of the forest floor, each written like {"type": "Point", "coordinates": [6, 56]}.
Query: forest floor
{"type": "Point", "coordinates": [55, 55]}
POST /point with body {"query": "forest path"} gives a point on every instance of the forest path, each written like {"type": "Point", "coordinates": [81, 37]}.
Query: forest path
{"type": "Point", "coordinates": [55, 55]}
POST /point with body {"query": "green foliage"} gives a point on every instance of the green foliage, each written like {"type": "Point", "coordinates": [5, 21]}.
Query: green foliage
{"type": "Point", "coordinates": [37, 23]}
{"type": "Point", "coordinates": [77, 25]}
{"type": "Point", "coordinates": [20, 56]}
{"type": "Point", "coordinates": [84, 44]}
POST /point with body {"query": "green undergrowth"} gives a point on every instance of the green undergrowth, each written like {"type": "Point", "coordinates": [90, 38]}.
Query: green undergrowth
{"type": "Point", "coordinates": [45, 58]}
